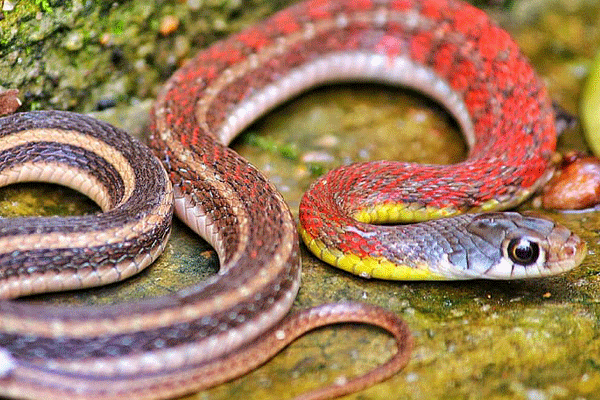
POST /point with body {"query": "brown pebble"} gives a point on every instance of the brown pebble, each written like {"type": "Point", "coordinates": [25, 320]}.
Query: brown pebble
{"type": "Point", "coordinates": [576, 186]}
{"type": "Point", "coordinates": [9, 101]}
{"type": "Point", "coordinates": [168, 25]}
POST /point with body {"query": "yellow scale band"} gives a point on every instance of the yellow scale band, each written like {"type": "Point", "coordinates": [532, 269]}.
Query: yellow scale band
{"type": "Point", "coordinates": [368, 267]}
{"type": "Point", "coordinates": [394, 213]}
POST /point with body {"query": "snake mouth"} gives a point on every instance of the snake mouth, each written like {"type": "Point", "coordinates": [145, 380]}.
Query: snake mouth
{"type": "Point", "coordinates": [567, 250]}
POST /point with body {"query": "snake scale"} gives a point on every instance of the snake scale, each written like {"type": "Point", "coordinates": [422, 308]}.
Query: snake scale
{"type": "Point", "coordinates": [236, 320]}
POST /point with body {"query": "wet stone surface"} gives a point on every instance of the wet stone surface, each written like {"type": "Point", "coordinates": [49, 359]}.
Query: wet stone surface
{"type": "Point", "coordinates": [534, 340]}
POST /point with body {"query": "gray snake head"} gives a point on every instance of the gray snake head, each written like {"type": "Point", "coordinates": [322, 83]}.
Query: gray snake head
{"type": "Point", "coordinates": [515, 246]}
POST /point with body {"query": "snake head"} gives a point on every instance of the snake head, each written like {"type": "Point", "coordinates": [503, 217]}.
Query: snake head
{"type": "Point", "coordinates": [525, 247]}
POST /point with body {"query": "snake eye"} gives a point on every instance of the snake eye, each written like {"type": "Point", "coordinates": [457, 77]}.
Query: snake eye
{"type": "Point", "coordinates": [523, 251]}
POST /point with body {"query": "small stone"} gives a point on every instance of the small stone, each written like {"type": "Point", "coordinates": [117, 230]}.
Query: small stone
{"type": "Point", "coordinates": [106, 39]}
{"type": "Point", "coordinates": [328, 141]}
{"type": "Point", "coordinates": [9, 101]}
{"type": "Point", "coordinates": [317, 157]}
{"type": "Point", "coordinates": [194, 4]}
{"type": "Point", "coordinates": [168, 25]}
{"type": "Point", "coordinates": [8, 5]}
{"type": "Point", "coordinates": [576, 186]}
{"type": "Point", "coordinates": [74, 41]}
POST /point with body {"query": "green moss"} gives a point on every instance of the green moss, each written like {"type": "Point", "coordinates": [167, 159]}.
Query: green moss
{"type": "Point", "coordinates": [43, 200]}
{"type": "Point", "coordinates": [44, 5]}
{"type": "Point", "coordinates": [287, 150]}
{"type": "Point", "coordinates": [316, 170]}
{"type": "Point", "coordinates": [43, 41]}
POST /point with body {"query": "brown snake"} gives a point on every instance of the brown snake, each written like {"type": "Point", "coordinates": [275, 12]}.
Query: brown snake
{"type": "Point", "coordinates": [161, 347]}
{"type": "Point", "coordinates": [236, 320]}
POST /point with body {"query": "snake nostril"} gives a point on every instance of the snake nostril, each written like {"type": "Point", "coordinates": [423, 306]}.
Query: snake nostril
{"type": "Point", "coordinates": [569, 251]}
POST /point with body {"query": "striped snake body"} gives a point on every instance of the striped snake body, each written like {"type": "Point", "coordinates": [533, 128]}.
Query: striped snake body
{"type": "Point", "coordinates": [234, 321]}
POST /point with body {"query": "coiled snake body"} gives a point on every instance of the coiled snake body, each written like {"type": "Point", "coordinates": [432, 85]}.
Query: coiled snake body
{"type": "Point", "coordinates": [234, 321]}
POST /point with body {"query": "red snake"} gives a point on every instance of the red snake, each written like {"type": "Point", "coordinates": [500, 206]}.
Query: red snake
{"type": "Point", "coordinates": [231, 323]}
